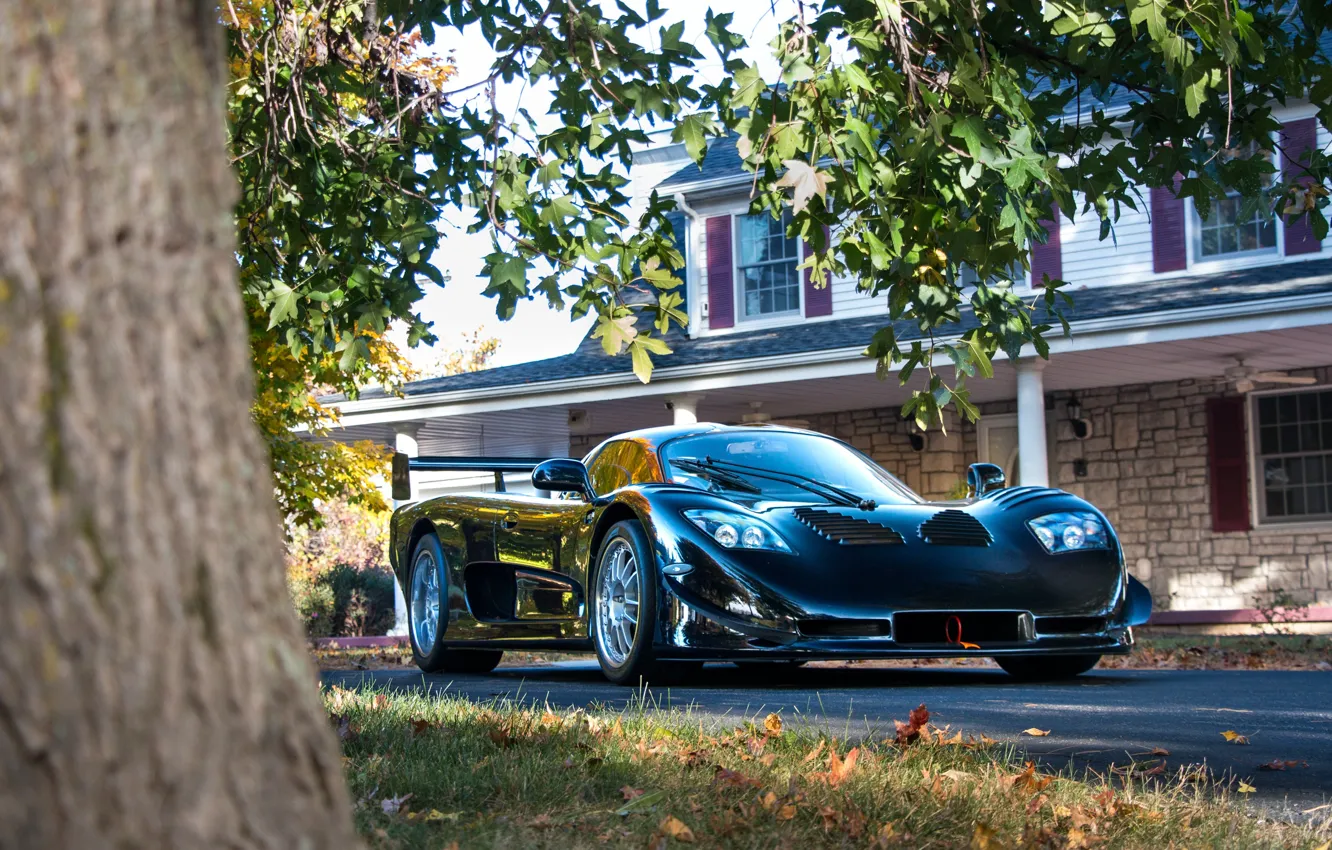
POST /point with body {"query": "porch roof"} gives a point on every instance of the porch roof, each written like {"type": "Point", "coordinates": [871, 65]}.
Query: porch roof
{"type": "Point", "coordinates": [1124, 306]}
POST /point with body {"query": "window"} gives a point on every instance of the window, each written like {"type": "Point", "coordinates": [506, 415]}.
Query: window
{"type": "Point", "coordinates": [620, 464]}
{"type": "Point", "coordinates": [1294, 443]}
{"type": "Point", "coordinates": [1236, 226]}
{"type": "Point", "coordinates": [766, 271]}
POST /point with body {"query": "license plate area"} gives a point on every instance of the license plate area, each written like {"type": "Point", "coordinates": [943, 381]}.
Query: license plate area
{"type": "Point", "coordinates": [944, 628]}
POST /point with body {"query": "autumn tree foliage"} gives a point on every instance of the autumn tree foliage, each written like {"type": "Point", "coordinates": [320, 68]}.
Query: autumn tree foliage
{"type": "Point", "coordinates": [330, 108]}
{"type": "Point", "coordinates": [929, 136]}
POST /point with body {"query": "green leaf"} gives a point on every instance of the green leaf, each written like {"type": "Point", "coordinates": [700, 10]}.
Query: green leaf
{"type": "Point", "coordinates": [284, 304]}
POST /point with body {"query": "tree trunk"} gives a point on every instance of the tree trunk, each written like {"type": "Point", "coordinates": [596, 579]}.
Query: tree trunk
{"type": "Point", "coordinates": [154, 691]}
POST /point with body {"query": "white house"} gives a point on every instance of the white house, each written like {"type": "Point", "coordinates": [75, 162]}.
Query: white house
{"type": "Point", "coordinates": [1159, 408]}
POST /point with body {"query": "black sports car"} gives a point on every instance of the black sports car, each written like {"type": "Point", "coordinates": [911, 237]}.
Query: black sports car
{"type": "Point", "coordinates": [672, 546]}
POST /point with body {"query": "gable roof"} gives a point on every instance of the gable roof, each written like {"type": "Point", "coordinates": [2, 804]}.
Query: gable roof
{"type": "Point", "coordinates": [1126, 305]}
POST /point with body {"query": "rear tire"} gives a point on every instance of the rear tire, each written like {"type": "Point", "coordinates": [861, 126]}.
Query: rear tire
{"type": "Point", "coordinates": [428, 616]}
{"type": "Point", "coordinates": [622, 615]}
{"type": "Point", "coordinates": [1046, 668]}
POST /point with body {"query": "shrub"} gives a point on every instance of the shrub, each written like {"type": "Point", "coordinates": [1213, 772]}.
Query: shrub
{"type": "Point", "coordinates": [337, 573]}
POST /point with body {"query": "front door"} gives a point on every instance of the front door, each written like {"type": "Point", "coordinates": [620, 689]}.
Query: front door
{"type": "Point", "coordinates": [997, 443]}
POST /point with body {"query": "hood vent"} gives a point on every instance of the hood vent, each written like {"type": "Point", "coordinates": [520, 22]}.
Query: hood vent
{"type": "Point", "coordinates": [847, 530]}
{"type": "Point", "coordinates": [954, 528]}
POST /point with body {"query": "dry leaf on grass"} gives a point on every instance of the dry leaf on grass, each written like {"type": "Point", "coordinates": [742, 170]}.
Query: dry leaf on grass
{"type": "Point", "coordinates": [393, 805]}
{"type": "Point", "coordinates": [772, 724]}
{"type": "Point", "coordinates": [630, 793]}
{"type": "Point", "coordinates": [985, 838]}
{"type": "Point", "coordinates": [1246, 788]}
{"type": "Point", "coordinates": [909, 732]}
{"type": "Point", "coordinates": [675, 828]}
{"type": "Point", "coordinates": [1233, 737]}
{"type": "Point", "coordinates": [1036, 733]}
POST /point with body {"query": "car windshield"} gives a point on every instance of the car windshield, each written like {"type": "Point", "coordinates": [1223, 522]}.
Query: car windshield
{"type": "Point", "coordinates": [717, 462]}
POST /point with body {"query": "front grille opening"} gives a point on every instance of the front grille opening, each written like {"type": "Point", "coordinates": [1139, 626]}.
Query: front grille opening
{"type": "Point", "coordinates": [955, 528]}
{"type": "Point", "coordinates": [1069, 625]}
{"type": "Point", "coordinates": [846, 628]}
{"type": "Point", "coordinates": [978, 627]}
{"type": "Point", "coordinates": [847, 530]}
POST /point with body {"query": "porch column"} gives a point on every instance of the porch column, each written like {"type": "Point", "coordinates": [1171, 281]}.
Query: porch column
{"type": "Point", "coordinates": [404, 440]}
{"type": "Point", "coordinates": [1033, 468]}
{"type": "Point", "coordinates": [685, 408]}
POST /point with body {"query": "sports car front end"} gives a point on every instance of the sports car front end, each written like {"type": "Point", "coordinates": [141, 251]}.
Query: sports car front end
{"type": "Point", "coordinates": [1023, 571]}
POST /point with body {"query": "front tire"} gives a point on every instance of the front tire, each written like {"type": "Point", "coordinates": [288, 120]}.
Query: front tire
{"type": "Point", "coordinates": [623, 615]}
{"type": "Point", "coordinates": [428, 616]}
{"type": "Point", "coordinates": [1046, 668]}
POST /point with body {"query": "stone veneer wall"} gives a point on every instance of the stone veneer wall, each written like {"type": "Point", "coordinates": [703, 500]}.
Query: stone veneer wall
{"type": "Point", "coordinates": [1147, 470]}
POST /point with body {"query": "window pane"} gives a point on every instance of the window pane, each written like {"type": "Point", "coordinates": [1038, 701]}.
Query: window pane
{"type": "Point", "coordinates": [1295, 502]}
{"type": "Point", "coordinates": [1315, 501]}
{"type": "Point", "coordinates": [1270, 444]}
{"type": "Point", "coordinates": [1288, 407]}
{"type": "Point", "coordinates": [1308, 405]}
{"type": "Point", "coordinates": [768, 258]}
{"type": "Point", "coordinates": [1276, 504]}
{"type": "Point", "coordinates": [1290, 438]}
{"type": "Point", "coordinates": [1267, 410]}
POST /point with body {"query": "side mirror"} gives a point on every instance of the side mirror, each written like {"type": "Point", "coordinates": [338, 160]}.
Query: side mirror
{"type": "Point", "coordinates": [562, 474]}
{"type": "Point", "coordinates": [984, 477]}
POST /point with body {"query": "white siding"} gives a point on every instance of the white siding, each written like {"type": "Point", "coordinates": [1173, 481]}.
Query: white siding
{"type": "Point", "coordinates": [1124, 257]}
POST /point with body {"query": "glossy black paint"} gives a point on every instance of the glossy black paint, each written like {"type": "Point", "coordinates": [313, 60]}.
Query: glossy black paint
{"type": "Point", "coordinates": [535, 554]}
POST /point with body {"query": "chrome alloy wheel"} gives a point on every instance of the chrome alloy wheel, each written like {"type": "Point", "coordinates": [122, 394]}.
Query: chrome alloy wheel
{"type": "Point", "coordinates": [617, 602]}
{"type": "Point", "coordinates": [424, 608]}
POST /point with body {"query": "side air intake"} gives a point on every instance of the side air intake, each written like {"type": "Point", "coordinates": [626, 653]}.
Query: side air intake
{"type": "Point", "coordinates": [955, 528]}
{"type": "Point", "coordinates": [847, 530]}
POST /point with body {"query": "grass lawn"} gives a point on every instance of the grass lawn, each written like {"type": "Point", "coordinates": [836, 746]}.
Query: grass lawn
{"type": "Point", "coordinates": [439, 772]}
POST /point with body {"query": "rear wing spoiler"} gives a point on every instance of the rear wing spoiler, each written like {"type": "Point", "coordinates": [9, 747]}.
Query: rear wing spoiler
{"type": "Point", "coordinates": [403, 466]}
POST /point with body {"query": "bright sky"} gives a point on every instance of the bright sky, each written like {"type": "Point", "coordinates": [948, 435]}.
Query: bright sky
{"type": "Point", "coordinates": [535, 331]}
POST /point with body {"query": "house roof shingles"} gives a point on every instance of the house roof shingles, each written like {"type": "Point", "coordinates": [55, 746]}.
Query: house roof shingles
{"type": "Point", "coordinates": [1105, 302]}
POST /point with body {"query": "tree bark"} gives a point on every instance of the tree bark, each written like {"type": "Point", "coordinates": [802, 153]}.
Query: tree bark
{"type": "Point", "coordinates": [154, 691]}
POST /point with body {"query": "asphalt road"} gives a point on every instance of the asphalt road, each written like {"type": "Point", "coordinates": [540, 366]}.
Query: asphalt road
{"type": "Point", "coordinates": [1100, 719]}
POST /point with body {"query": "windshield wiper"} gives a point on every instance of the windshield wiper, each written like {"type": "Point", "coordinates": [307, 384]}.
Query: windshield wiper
{"type": "Point", "coordinates": [837, 494]}
{"type": "Point", "coordinates": [726, 479]}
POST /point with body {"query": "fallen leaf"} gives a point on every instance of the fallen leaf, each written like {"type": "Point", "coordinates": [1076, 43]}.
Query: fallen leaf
{"type": "Point", "coordinates": [805, 182]}
{"type": "Point", "coordinates": [500, 735]}
{"type": "Point", "coordinates": [772, 724]}
{"type": "Point", "coordinates": [676, 828]}
{"type": "Point", "coordinates": [909, 732]}
{"type": "Point", "coordinates": [420, 726]}
{"type": "Point", "coordinates": [393, 805]}
{"type": "Point", "coordinates": [813, 754]}
{"type": "Point", "coordinates": [957, 775]}
{"type": "Point", "coordinates": [1246, 788]}
{"type": "Point", "coordinates": [786, 812]}
{"type": "Point", "coordinates": [631, 793]}
{"type": "Point", "coordinates": [883, 839]}
{"type": "Point", "coordinates": [985, 838]}
{"type": "Point", "coordinates": [1036, 733]}
{"type": "Point", "coordinates": [381, 701]}
{"type": "Point", "coordinates": [641, 803]}
{"type": "Point", "coordinates": [1233, 737]}
{"type": "Point", "coordinates": [733, 779]}
{"type": "Point", "coordinates": [1159, 751]}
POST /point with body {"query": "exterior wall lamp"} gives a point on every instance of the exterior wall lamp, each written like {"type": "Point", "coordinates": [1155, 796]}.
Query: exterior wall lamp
{"type": "Point", "coordinates": [1082, 428]}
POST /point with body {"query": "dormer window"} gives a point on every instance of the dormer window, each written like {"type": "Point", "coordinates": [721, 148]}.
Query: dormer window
{"type": "Point", "coordinates": [1234, 227]}
{"type": "Point", "coordinates": [767, 281]}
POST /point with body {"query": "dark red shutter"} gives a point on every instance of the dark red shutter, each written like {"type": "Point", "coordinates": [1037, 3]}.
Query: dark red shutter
{"type": "Point", "coordinates": [1168, 251]}
{"type": "Point", "coordinates": [1048, 258]}
{"type": "Point", "coordinates": [721, 274]}
{"type": "Point", "coordinates": [818, 301]}
{"type": "Point", "coordinates": [1228, 464]}
{"type": "Point", "coordinates": [1297, 139]}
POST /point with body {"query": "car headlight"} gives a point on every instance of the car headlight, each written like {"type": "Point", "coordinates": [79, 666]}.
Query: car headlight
{"type": "Point", "coordinates": [737, 531]}
{"type": "Point", "coordinates": [1072, 531]}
